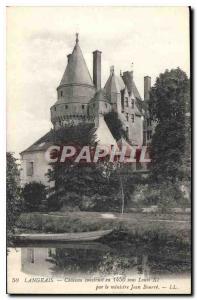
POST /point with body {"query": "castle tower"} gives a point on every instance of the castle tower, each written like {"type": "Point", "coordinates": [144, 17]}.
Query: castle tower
{"type": "Point", "coordinates": [113, 88]}
{"type": "Point", "coordinates": [74, 91]}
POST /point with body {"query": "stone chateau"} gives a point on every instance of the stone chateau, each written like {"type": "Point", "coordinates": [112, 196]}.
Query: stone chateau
{"type": "Point", "coordinates": [80, 98]}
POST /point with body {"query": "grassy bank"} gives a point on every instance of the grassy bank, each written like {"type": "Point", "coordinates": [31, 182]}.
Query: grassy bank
{"type": "Point", "coordinates": [137, 226]}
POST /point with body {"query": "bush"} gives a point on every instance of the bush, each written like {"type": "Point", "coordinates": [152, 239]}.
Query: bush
{"type": "Point", "coordinates": [33, 194]}
{"type": "Point", "coordinates": [13, 194]}
{"type": "Point", "coordinates": [166, 195]}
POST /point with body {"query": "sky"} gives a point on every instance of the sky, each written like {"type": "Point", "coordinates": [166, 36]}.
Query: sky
{"type": "Point", "coordinates": [40, 38]}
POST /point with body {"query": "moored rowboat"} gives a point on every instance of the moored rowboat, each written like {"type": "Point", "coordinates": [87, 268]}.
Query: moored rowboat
{"type": "Point", "coordinates": [63, 237]}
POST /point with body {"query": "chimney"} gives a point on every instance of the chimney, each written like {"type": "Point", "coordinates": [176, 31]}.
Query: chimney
{"type": "Point", "coordinates": [128, 80]}
{"type": "Point", "coordinates": [147, 87]}
{"type": "Point", "coordinates": [68, 57]}
{"type": "Point", "coordinates": [97, 69]}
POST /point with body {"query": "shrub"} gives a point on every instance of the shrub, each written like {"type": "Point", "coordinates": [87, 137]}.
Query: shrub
{"type": "Point", "coordinates": [166, 195]}
{"type": "Point", "coordinates": [33, 194]}
{"type": "Point", "coordinates": [13, 193]}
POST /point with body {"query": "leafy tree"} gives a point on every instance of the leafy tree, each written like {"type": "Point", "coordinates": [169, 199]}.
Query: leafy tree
{"type": "Point", "coordinates": [115, 125]}
{"type": "Point", "coordinates": [13, 191]}
{"type": "Point", "coordinates": [78, 185]}
{"type": "Point", "coordinates": [169, 104]}
{"type": "Point", "coordinates": [166, 195]}
{"type": "Point", "coordinates": [33, 194]}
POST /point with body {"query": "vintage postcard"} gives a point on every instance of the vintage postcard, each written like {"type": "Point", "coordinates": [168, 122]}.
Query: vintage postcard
{"type": "Point", "coordinates": [98, 150]}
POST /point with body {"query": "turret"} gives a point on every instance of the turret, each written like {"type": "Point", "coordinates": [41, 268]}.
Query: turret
{"type": "Point", "coordinates": [74, 92]}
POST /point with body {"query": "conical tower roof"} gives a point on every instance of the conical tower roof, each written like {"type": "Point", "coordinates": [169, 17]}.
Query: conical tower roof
{"type": "Point", "coordinates": [114, 83]}
{"type": "Point", "coordinates": [76, 71]}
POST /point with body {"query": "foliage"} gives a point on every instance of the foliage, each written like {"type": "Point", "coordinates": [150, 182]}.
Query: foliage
{"type": "Point", "coordinates": [169, 106]}
{"type": "Point", "coordinates": [81, 185]}
{"type": "Point", "coordinates": [33, 194]}
{"type": "Point", "coordinates": [82, 134]}
{"type": "Point", "coordinates": [166, 195]}
{"type": "Point", "coordinates": [14, 199]}
{"type": "Point", "coordinates": [115, 125]}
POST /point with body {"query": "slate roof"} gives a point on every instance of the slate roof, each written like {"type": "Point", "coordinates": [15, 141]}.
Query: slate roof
{"type": "Point", "coordinates": [130, 84]}
{"type": "Point", "coordinates": [114, 84]}
{"type": "Point", "coordinates": [42, 144]}
{"type": "Point", "coordinates": [76, 71]}
{"type": "Point", "coordinates": [100, 96]}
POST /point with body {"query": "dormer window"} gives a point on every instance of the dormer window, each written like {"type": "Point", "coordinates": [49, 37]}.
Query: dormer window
{"type": "Point", "coordinates": [132, 103]}
{"type": "Point", "coordinates": [61, 93]}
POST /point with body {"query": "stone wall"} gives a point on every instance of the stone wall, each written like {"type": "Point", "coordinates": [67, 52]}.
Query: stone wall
{"type": "Point", "coordinates": [40, 167]}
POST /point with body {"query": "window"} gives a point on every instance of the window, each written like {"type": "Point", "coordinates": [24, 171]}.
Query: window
{"type": "Point", "coordinates": [126, 102]}
{"type": "Point", "coordinates": [122, 105]}
{"type": "Point", "coordinates": [127, 131]}
{"type": "Point", "coordinates": [122, 101]}
{"type": "Point", "coordinates": [132, 103]}
{"type": "Point", "coordinates": [127, 117]}
{"type": "Point", "coordinates": [30, 255]}
{"type": "Point", "coordinates": [149, 122]}
{"type": "Point", "coordinates": [144, 138]}
{"type": "Point", "coordinates": [132, 118]}
{"type": "Point", "coordinates": [30, 168]}
{"type": "Point", "coordinates": [61, 93]}
{"type": "Point", "coordinates": [54, 108]}
{"type": "Point", "coordinates": [83, 106]}
{"type": "Point", "coordinates": [149, 134]}
{"type": "Point", "coordinates": [66, 106]}
{"type": "Point", "coordinates": [50, 252]}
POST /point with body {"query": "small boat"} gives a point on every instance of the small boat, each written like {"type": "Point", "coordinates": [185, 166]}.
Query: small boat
{"type": "Point", "coordinates": [62, 237]}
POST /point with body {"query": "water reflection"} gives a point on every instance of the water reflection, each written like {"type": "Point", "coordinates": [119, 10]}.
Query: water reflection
{"type": "Point", "coordinates": [92, 258]}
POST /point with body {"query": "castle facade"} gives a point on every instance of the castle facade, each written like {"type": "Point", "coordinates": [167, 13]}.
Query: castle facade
{"type": "Point", "coordinates": [80, 98]}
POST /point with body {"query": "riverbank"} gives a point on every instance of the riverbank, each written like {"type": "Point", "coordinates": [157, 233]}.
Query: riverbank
{"type": "Point", "coordinates": [135, 225]}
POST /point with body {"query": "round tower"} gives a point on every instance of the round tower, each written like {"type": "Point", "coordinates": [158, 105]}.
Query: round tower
{"type": "Point", "coordinates": [74, 92]}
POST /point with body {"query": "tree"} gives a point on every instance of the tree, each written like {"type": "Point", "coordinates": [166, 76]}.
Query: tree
{"type": "Point", "coordinates": [33, 194]}
{"type": "Point", "coordinates": [169, 102]}
{"type": "Point", "coordinates": [81, 185]}
{"type": "Point", "coordinates": [115, 125]}
{"type": "Point", "coordinates": [13, 191]}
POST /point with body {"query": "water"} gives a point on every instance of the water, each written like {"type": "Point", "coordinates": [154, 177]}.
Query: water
{"type": "Point", "coordinates": [111, 257]}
